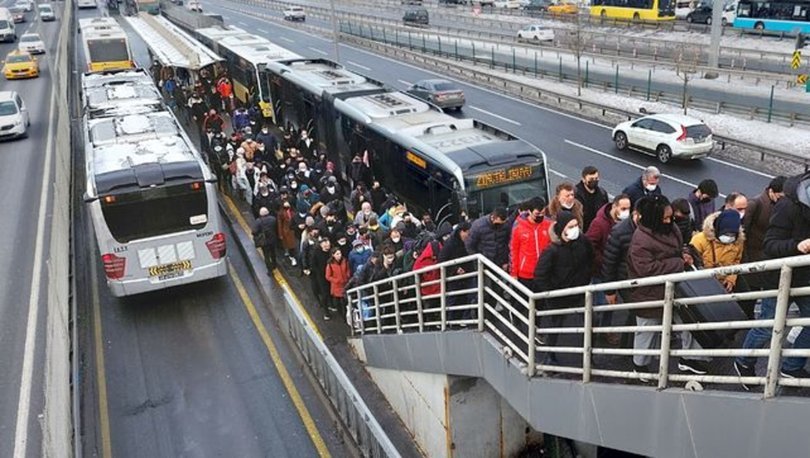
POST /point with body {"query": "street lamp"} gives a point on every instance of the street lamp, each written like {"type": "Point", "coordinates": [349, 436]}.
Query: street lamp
{"type": "Point", "coordinates": [335, 31]}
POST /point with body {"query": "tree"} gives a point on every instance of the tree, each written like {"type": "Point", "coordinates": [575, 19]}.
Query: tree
{"type": "Point", "coordinates": [687, 59]}
{"type": "Point", "coordinates": [578, 40]}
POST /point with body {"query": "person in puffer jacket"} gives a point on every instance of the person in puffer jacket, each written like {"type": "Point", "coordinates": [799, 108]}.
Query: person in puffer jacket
{"type": "Point", "coordinates": [530, 236]}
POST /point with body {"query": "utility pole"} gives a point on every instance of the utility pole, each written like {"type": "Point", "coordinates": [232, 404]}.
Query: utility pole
{"type": "Point", "coordinates": [335, 32]}
{"type": "Point", "coordinates": [716, 33]}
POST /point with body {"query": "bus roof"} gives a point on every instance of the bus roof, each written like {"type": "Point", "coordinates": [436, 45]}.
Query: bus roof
{"type": "Point", "coordinates": [98, 24]}
{"type": "Point", "coordinates": [104, 34]}
{"type": "Point", "coordinates": [117, 94]}
{"type": "Point", "coordinates": [250, 47]}
{"type": "Point", "coordinates": [170, 45]}
{"type": "Point", "coordinates": [321, 75]}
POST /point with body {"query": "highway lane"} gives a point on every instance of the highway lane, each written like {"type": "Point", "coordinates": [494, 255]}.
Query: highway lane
{"type": "Point", "coordinates": [188, 371]}
{"type": "Point", "coordinates": [22, 175]}
{"type": "Point", "coordinates": [570, 142]}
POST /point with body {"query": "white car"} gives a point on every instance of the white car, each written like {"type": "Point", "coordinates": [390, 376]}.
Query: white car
{"type": "Point", "coordinates": [194, 5]}
{"type": "Point", "coordinates": [14, 119]}
{"type": "Point", "coordinates": [25, 4]}
{"type": "Point", "coordinates": [509, 4]}
{"type": "Point", "coordinates": [667, 136]}
{"type": "Point", "coordinates": [295, 13]}
{"type": "Point", "coordinates": [535, 33]}
{"type": "Point", "coordinates": [32, 43]}
{"type": "Point", "coordinates": [46, 13]}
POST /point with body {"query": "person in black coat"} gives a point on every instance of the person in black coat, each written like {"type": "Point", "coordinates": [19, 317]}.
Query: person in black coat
{"type": "Point", "coordinates": [590, 195]}
{"type": "Point", "coordinates": [267, 226]}
{"type": "Point", "coordinates": [614, 258]}
{"type": "Point", "coordinates": [489, 236]}
{"type": "Point", "coordinates": [453, 248]}
{"type": "Point", "coordinates": [264, 199]}
{"type": "Point", "coordinates": [565, 263]}
{"type": "Point", "coordinates": [647, 185]}
{"type": "Point", "coordinates": [318, 258]}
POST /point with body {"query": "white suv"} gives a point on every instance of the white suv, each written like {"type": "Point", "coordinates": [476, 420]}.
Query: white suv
{"type": "Point", "coordinates": [14, 119]}
{"type": "Point", "coordinates": [295, 13]}
{"type": "Point", "coordinates": [666, 136]}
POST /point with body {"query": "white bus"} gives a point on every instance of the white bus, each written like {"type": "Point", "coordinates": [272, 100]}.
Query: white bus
{"type": "Point", "coordinates": [151, 198]}
{"type": "Point", "coordinates": [86, 4]}
{"type": "Point", "coordinates": [105, 45]}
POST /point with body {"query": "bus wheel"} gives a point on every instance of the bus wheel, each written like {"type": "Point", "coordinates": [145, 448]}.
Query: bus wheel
{"type": "Point", "coordinates": [759, 26]}
{"type": "Point", "coordinates": [603, 15]}
{"type": "Point", "coordinates": [709, 21]}
{"type": "Point", "coordinates": [636, 17]}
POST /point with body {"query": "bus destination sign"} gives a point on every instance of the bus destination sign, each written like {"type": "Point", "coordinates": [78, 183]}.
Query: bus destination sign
{"type": "Point", "coordinates": [502, 176]}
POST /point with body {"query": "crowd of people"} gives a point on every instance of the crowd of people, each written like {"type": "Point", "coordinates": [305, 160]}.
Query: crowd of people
{"type": "Point", "coordinates": [341, 228]}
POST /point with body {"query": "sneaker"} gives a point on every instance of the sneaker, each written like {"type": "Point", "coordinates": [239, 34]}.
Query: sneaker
{"type": "Point", "coordinates": [293, 262]}
{"type": "Point", "coordinates": [642, 372]}
{"type": "Point", "coordinates": [333, 309]}
{"type": "Point", "coordinates": [796, 373]}
{"type": "Point", "coordinates": [692, 365]}
{"type": "Point", "coordinates": [744, 371]}
{"type": "Point", "coordinates": [327, 317]}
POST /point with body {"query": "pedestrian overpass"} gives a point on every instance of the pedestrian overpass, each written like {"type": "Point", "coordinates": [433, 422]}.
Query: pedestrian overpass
{"type": "Point", "coordinates": [430, 353]}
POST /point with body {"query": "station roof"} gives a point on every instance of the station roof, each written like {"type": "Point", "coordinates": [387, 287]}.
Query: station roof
{"type": "Point", "coordinates": [170, 45]}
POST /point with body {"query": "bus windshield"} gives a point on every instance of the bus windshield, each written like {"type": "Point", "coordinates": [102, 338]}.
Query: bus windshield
{"type": "Point", "coordinates": [156, 211]}
{"type": "Point", "coordinates": [113, 50]}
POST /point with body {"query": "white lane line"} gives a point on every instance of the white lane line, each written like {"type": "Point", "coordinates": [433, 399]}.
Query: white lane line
{"type": "Point", "coordinates": [405, 83]}
{"type": "Point", "coordinates": [358, 65]}
{"type": "Point", "coordinates": [286, 39]}
{"type": "Point", "coordinates": [481, 110]}
{"type": "Point", "coordinates": [631, 164]}
{"type": "Point", "coordinates": [561, 175]}
{"type": "Point", "coordinates": [740, 167]}
{"type": "Point", "coordinates": [29, 351]}
{"type": "Point", "coordinates": [318, 51]}
{"type": "Point", "coordinates": [264, 31]}
{"type": "Point", "coordinates": [242, 23]}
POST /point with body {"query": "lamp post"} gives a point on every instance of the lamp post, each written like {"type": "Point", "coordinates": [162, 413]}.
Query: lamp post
{"type": "Point", "coordinates": [335, 32]}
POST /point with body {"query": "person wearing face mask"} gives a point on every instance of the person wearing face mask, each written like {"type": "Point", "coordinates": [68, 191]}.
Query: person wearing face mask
{"type": "Point", "coordinates": [331, 191]}
{"type": "Point", "coordinates": [328, 227]}
{"type": "Point", "coordinates": [647, 185]}
{"type": "Point", "coordinates": [530, 236]}
{"type": "Point", "coordinates": [337, 274]}
{"type": "Point", "coordinates": [266, 137]}
{"type": "Point", "coordinates": [737, 201]}
{"type": "Point", "coordinates": [358, 256]}
{"type": "Point", "coordinates": [657, 249]}
{"type": "Point", "coordinates": [489, 236]}
{"type": "Point", "coordinates": [377, 195]}
{"type": "Point", "coordinates": [564, 200]}
{"type": "Point", "coordinates": [365, 214]}
{"type": "Point", "coordinates": [590, 195]}
{"type": "Point", "coordinates": [682, 217]}
{"type": "Point", "coordinates": [286, 231]}
{"type": "Point", "coordinates": [755, 225]}
{"type": "Point", "coordinates": [614, 255]}
{"type": "Point", "coordinates": [701, 201]}
{"type": "Point", "coordinates": [387, 267]}
{"type": "Point", "coordinates": [396, 241]}
{"type": "Point", "coordinates": [306, 144]}
{"type": "Point", "coordinates": [721, 243]}
{"type": "Point", "coordinates": [319, 256]}
{"type": "Point", "coordinates": [564, 264]}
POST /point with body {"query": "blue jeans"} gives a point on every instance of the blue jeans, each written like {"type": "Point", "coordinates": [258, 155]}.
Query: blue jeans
{"type": "Point", "coordinates": [759, 337]}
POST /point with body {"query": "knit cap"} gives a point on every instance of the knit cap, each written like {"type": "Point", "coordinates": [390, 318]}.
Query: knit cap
{"type": "Point", "coordinates": [563, 218]}
{"type": "Point", "coordinates": [727, 222]}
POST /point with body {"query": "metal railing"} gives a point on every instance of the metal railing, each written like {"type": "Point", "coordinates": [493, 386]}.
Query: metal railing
{"type": "Point", "coordinates": [482, 295]}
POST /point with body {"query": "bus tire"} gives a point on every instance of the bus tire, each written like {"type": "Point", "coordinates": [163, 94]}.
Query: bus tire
{"type": "Point", "coordinates": [636, 17]}
{"type": "Point", "coordinates": [709, 20]}
{"type": "Point", "coordinates": [603, 14]}
{"type": "Point", "coordinates": [759, 26]}
{"type": "Point", "coordinates": [689, 18]}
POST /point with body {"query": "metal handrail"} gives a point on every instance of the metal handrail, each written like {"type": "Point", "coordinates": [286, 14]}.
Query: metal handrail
{"type": "Point", "coordinates": [508, 310]}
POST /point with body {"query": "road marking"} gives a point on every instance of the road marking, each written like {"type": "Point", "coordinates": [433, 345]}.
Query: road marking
{"type": "Point", "coordinates": [242, 23]}
{"type": "Point", "coordinates": [288, 382]}
{"type": "Point", "coordinates": [631, 164]}
{"type": "Point", "coordinates": [561, 175]}
{"type": "Point", "coordinates": [358, 65]}
{"type": "Point", "coordinates": [481, 110]}
{"type": "Point", "coordinates": [405, 83]}
{"type": "Point", "coordinates": [101, 371]}
{"type": "Point", "coordinates": [740, 167]}
{"type": "Point", "coordinates": [29, 350]}
{"type": "Point", "coordinates": [246, 227]}
{"type": "Point", "coordinates": [286, 39]}
{"type": "Point", "coordinates": [264, 31]}
{"type": "Point", "coordinates": [318, 51]}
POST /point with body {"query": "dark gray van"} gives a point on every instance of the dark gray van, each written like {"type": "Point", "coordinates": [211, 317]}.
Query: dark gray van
{"type": "Point", "coordinates": [416, 16]}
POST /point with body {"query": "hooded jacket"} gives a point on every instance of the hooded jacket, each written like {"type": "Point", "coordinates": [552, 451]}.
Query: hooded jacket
{"type": "Point", "coordinates": [716, 254]}
{"type": "Point", "coordinates": [337, 274]}
{"type": "Point", "coordinates": [563, 265]}
{"type": "Point", "coordinates": [529, 239]}
{"type": "Point", "coordinates": [790, 224]}
{"type": "Point", "coordinates": [428, 258]}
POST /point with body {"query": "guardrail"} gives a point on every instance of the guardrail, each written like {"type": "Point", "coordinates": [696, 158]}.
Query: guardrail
{"type": "Point", "coordinates": [486, 297]}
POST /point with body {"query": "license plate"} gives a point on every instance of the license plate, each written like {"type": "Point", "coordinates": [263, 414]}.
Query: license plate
{"type": "Point", "coordinates": [172, 270]}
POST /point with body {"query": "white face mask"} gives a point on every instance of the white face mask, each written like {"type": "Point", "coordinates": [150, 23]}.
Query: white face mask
{"type": "Point", "coordinates": [727, 239]}
{"type": "Point", "coordinates": [651, 187]}
{"type": "Point", "coordinates": [567, 206]}
{"type": "Point", "coordinates": [742, 214]}
{"type": "Point", "coordinates": [572, 234]}
{"type": "Point", "coordinates": [624, 214]}
{"type": "Point", "coordinates": [331, 189]}
{"type": "Point", "coordinates": [395, 239]}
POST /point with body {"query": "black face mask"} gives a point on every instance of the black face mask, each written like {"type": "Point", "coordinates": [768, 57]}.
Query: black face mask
{"type": "Point", "coordinates": [664, 229]}
{"type": "Point", "coordinates": [592, 184]}
{"type": "Point", "coordinates": [685, 226]}
{"type": "Point", "coordinates": [705, 200]}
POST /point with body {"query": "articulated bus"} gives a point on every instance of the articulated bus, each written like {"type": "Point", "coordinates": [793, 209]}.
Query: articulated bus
{"type": "Point", "coordinates": [634, 10]}
{"type": "Point", "coordinates": [244, 54]}
{"type": "Point", "coordinates": [150, 196]}
{"type": "Point", "coordinates": [432, 161]}
{"type": "Point", "coordinates": [105, 44]}
{"type": "Point", "coordinates": [791, 16]}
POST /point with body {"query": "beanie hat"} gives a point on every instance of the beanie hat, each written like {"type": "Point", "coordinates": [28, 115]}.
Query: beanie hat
{"type": "Point", "coordinates": [727, 222]}
{"type": "Point", "coordinates": [309, 221]}
{"type": "Point", "coordinates": [563, 218]}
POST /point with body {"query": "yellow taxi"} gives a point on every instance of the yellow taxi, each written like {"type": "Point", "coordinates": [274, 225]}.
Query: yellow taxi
{"type": "Point", "coordinates": [563, 8]}
{"type": "Point", "coordinates": [20, 64]}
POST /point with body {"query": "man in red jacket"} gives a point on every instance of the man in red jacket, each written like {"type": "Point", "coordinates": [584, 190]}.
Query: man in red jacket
{"type": "Point", "coordinates": [530, 237]}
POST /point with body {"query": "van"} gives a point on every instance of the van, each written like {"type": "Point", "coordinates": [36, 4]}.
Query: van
{"type": "Point", "coordinates": [7, 31]}
{"type": "Point", "coordinates": [416, 16]}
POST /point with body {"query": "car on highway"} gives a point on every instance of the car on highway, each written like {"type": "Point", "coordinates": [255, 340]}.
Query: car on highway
{"type": "Point", "coordinates": [563, 8]}
{"type": "Point", "coordinates": [416, 16]}
{"type": "Point", "coordinates": [14, 119]}
{"type": "Point", "coordinates": [667, 136]}
{"type": "Point", "coordinates": [538, 6]}
{"type": "Point", "coordinates": [46, 13]}
{"type": "Point", "coordinates": [32, 43]}
{"type": "Point", "coordinates": [508, 4]}
{"type": "Point", "coordinates": [295, 13]}
{"type": "Point", "coordinates": [453, 2]}
{"type": "Point", "coordinates": [25, 5]}
{"type": "Point", "coordinates": [194, 5]}
{"type": "Point", "coordinates": [702, 14]}
{"type": "Point", "coordinates": [17, 13]}
{"type": "Point", "coordinates": [20, 64]}
{"type": "Point", "coordinates": [441, 93]}
{"type": "Point", "coordinates": [535, 32]}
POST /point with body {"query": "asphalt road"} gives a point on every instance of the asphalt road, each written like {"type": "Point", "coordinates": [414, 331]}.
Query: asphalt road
{"type": "Point", "coordinates": [22, 176]}
{"type": "Point", "coordinates": [569, 142]}
{"type": "Point", "coordinates": [186, 371]}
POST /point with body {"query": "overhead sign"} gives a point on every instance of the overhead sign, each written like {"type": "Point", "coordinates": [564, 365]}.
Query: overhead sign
{"type": "Point", "coordinates": [796, 62]}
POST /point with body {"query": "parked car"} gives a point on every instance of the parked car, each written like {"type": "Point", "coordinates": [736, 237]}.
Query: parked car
{"type": "Point", "coordinates": [535, 33]}
{"type": "Point", "coordinates": [27, 5]}
{"type": "Point", "coordinates": [20, 64]}
{"type": "Point", "coordinates": [32, 43]}
{"type": "Point", "coordinates": [508, 4]}
{"type": "Point", "coordinates": [295, 13]}
{"type": "Point", "coordinates": [563, 8]}
{"type": "Point", "coordinates": [667, 136]}
{"type": "Point", "coordinates": [14, 120]}
{"type": "Point", "coordinates": [17, 13]}
{"type": "Point", "coordinates": [441, 93]}
{"type": "Point", "coordinates": [538, 6]}
{"type": "Point", "coordinates": [416, 16]}
{"type": "Point", "coordinates": [46, 13]}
